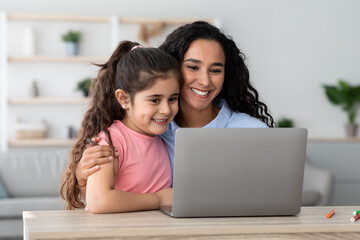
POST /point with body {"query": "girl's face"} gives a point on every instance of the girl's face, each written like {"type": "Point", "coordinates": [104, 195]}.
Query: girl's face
{"type": "Point", "coordinates": [203, 70]}
{"type": "Point", "coordinates": [152, 110]}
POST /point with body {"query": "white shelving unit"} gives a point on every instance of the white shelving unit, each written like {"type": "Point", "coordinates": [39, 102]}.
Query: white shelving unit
{"type": "Point", "coordinates": [41, 142]}
{"type": "Point", "coordinates": [6, 60]}
{"type": "Point", "coordinates": [56, 59]}
{"type": "Point", "coordinates": [41, 100]}
{"type": "Point", "coordinates": [6, 102]}
{"type": "Point", "coordinates": [3, 82]}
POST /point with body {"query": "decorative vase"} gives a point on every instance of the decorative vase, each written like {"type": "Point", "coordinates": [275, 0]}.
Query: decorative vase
{"type": "Point", "coordinates": [85, 93]}
{"type": "Point", "coordinates": [28, 42]}
{"type": "Point", "coordinates": [351, 129]}
{"type": "Point", "coordinates": [72, 48]}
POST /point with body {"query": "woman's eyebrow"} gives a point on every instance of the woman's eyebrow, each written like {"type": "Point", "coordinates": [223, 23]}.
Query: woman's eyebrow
{"type": "Point", "coordinates": [218, 64]}
{"type": "Point", "coordinates": [192, 60]}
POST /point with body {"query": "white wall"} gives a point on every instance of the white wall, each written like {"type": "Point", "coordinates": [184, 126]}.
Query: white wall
{"type": "Point", "coordinates": [292, 46]}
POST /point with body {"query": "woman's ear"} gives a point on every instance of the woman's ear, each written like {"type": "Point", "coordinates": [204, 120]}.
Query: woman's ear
{"type": "Point", "coordinates": [123, 98]}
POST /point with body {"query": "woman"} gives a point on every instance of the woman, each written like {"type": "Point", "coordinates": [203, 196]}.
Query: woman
{"type": "Point", "coordinates": [216, 92]}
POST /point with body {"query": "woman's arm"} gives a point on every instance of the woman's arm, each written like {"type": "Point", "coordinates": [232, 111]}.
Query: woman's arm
{"type": "Point", "coordinates": [92, 158]}
{"type": "Point", "coordinates": [101, 197]}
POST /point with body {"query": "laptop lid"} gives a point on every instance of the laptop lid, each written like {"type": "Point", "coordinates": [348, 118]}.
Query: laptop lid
{"type": "Point", "coordinates": [238, 171]}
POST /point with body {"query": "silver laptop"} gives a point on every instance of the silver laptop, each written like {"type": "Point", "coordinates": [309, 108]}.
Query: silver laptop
{"type": "Point", "coordinates": [238, 172]}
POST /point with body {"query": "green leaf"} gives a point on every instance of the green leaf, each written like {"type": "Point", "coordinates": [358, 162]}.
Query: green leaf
{"type": "Point", "coordinates": [357, 93]}
{"type": "Point", "coordinates": [345, 95]}
{"type": "Point", "coordinates": [333, 94]}
{"type": "Point", "coordinates": [285, 122]}
{"type": "Point", "coordinates": [71, 36]}
{"type": "Point", "coordinates": [84, 84]}
{"type": "Point", "coordinates": [345, 87]}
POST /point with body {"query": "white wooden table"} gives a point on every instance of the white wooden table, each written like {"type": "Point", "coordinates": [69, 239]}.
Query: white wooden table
{"type": "Point", "coordinates": [311, 223]}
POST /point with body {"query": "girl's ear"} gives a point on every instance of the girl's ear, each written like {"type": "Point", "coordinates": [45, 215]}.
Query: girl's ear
{"type": "Point", "coordinates": [123, 98]}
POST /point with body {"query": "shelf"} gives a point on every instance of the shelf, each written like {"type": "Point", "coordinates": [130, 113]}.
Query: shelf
{"type": "Point", "coordinates": [174, 21]}
{"type": "Point", "coordinates": [36, 17]}
{"type": "Point", "coordinates": [46, 142]}
{"type": "Point", "coordinates": [43, 100]}
{"type": "Point", "coordinates": [344, 139]}
{"type": "Point", "coordinates": [57, 59]}
{"type": "Point", "coordinates": [99, 19]}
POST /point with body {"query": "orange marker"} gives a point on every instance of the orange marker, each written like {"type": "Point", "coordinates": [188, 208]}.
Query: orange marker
{"type": "Point", "coordinates": [330, 214]}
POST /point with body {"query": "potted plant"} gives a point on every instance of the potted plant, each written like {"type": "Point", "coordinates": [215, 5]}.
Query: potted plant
{"type": "Point", "coordinates": [285, 122]}
{"type": "Point", "coordinates": [84, 86]}
{"type": "Point", "coordinates": [72, 39]}
{"type": "Point", "coordinates": [348, 97]}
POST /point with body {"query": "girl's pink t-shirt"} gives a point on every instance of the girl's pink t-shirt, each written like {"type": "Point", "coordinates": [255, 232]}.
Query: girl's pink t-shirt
{"type": "Point", "coordinates": [144, 165]}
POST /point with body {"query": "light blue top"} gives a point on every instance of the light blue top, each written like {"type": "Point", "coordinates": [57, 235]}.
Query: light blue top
{"type": "Point", "coordinates": [226, 118]}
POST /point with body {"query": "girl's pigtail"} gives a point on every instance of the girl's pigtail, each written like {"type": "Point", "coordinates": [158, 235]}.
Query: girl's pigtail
{"type": "Point", "coordinates": [103, 111]}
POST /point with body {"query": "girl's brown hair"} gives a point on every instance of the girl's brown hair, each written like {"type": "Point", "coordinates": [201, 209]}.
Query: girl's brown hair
{"type": "Point", "coordinates": [130, 69]}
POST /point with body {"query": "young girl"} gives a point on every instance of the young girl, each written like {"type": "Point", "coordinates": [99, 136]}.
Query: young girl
{"type": "Point", "coordinates": [135, 97]}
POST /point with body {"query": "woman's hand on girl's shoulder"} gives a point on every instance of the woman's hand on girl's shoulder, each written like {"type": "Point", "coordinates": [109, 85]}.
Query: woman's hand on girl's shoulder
{"type": "Point", "coordinates": [92, 158]}
{"type": "Point", "coordinates": [165, 197]}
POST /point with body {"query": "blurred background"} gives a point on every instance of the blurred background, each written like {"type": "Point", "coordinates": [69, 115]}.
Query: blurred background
{"type": "Point", "coordinates": [292, 47]}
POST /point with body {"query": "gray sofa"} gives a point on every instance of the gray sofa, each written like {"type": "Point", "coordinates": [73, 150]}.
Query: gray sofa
{"type": "Point", "coordinates": [318, 185]}
{"type": "Point", "coordinates": [31, 181]}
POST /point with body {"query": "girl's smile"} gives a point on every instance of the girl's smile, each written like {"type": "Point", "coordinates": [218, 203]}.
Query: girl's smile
{"type": "Point", "coordinates": [160, 121]}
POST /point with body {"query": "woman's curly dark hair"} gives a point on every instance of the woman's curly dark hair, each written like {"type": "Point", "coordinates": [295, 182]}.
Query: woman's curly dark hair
{"type": "Point", "coordinates": [237, 90]}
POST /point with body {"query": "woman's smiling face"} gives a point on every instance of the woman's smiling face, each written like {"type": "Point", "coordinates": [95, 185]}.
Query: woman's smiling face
{"type": "Point", "coordinates": [203, 70]}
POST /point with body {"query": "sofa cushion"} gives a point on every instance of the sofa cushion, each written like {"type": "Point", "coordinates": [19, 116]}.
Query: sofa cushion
{"type": "Point", "coordinates": [32, 173]}
{"type": "Point", "coordinates": [13, 207]}
{"type": "Point", "coordinates": [3, 193]}
{"type": "Point", "coordinates": [310, 198]}
{"type": "Point", "coordinates": [11, 228]}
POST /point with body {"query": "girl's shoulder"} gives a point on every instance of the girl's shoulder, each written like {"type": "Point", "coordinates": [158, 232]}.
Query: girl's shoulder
{"type": "Point", "coordinates": [115, 127]}
{"type": "Point", "coordinates": [116, 131]}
